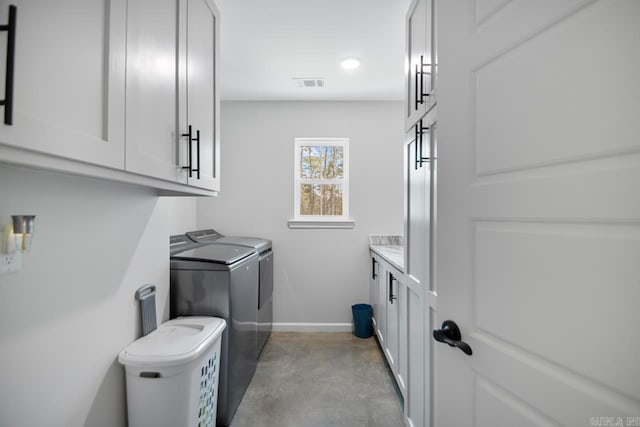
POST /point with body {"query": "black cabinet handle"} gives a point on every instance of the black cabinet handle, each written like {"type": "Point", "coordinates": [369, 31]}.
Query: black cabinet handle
{"type": "Point", "coordinates": [190, 139]}
{"type": "Point", "coordinates": [415, 89]}
{"type": "Point", "coordinates": [421, 79]}
{"type": "Point", "coordinates": [391, 295]}
{"type": "Point", "coordinates": [373, 268]}
{"type": "Point", "coordinates": [189, 166]}
{"type": "Point", "coordinates": [197, 140]}
{"type": "Point", "coordinates": [422, 73]}
{"type": "Point", "coordinates": [415, 148]}
{"type": "Point", "coordinates": [10, 28]}
{"type": "Point", "coordinates": [450, 334]}
{"type": "Point", "coordinates": [421, 159]}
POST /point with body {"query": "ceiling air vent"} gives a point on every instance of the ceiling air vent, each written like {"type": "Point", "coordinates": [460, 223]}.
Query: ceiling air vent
{"type": "Point", "coordinates": [309, 82]}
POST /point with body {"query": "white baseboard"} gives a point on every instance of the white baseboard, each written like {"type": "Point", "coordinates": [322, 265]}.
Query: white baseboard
{"type": "Point", "coordinates": [312, 327]}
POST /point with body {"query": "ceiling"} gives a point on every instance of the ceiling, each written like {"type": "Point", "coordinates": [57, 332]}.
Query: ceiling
{"type": "Point", "coordinates": [266, 43]}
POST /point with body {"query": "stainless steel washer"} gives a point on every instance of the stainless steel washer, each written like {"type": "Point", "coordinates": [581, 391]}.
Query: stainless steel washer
{"type": "Point", "coordinates": [265, 285]}
{"type": "Point", "coordinates": [220, 281]}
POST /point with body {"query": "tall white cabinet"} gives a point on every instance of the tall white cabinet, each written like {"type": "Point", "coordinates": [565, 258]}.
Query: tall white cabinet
{"type": "Point", "coordinates": [404, 301]}
{"type": "Point", "coordinates": [420, 168]}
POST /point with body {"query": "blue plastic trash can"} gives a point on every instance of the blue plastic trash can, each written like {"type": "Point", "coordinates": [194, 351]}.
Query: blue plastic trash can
{"type": "Point", "coordinates": [362, 314]}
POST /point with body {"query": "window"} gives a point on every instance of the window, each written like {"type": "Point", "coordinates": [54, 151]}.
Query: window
{"type": "Point", "coordinates": [321, 183]}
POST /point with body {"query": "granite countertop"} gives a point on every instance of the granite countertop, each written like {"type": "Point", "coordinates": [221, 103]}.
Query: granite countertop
{"type": "Point", "coordinates": [391, 248]}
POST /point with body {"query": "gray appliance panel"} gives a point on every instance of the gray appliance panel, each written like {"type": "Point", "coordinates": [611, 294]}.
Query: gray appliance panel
{"type": "Point", "coordinates": [230, 294]}
{"type": "Point", "coordinates": [221, 254]}
{"type": "Point", "coordinates": [260, 245]}
{"type": "Point", "coordinates": [203, 235]}
{"type": "Point", "coordinates": [265, 299]}
{"type": "Point", "coordinates": [180, 243]}
{"type": "Point", "coordinates": [189, 264]}
{"type": "Point", "coordinates": [212, 236]}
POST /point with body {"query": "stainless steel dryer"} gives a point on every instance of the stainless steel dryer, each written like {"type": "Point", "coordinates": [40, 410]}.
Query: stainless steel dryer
{"type": "Point", "coordinates": [221, 281]}
{"type": "Point", "coordinates": [265, 286]}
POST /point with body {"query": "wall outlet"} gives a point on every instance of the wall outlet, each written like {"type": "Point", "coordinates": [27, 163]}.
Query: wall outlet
{"type": "Point", "coordinates": [10, 263]}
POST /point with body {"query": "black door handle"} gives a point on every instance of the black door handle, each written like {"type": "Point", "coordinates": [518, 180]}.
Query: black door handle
{"type": "Point", "coordinates": [450, 334]}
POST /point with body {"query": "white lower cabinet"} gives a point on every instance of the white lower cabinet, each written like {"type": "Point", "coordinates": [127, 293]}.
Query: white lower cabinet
{"type": "Point", "coordinates": [398, 311]}
{"type": "Point", "coordinates": [393, 320]}
{"type": "Point", "coordinates": [381, 290]}
{"type": "Point", "coordinates": [373, 290]}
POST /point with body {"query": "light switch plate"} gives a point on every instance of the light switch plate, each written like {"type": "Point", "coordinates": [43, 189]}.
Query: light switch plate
{"type": "Point", "coordinates": [10, 263]}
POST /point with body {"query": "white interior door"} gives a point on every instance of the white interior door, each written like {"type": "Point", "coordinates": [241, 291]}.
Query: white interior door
{"type": "Point", "coordinates": [539, 212]}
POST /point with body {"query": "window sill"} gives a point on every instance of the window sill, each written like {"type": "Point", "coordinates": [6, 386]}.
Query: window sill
{"type": "Point", "coordinates": [322, 223]}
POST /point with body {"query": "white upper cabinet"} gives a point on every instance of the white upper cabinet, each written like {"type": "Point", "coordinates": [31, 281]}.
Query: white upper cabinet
{"type": "Point", "coordinates": [110, 89]}
{"type": "Point", "coordinates": [172, 97]}
{"type": "Point", "coordinates": [203, 98]}
{"type": "Point", "coordinates": [420, 61]}
{"type": "Point", "coordinates": [152, 89]}
{"type": "Point", "coordinates": [68, 88]}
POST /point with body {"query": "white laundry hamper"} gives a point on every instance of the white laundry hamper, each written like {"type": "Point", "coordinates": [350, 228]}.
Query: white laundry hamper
{"type": "Point", "coordinates": [172, 374]}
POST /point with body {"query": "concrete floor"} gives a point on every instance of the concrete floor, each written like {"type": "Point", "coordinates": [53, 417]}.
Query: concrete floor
{"type": "Point", "coordinates": [320, 380]}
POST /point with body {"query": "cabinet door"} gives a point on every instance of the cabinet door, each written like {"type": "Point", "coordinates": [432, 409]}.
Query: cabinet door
{"type": "Point", "coordinates": [373, 288]}
{"type": "Point", "coordinates": [403, 337]}
{"type": "Point", "coordinates": [203, 98]}
{"type": "Point", "coordinates": [152, 89]}
{"type": "Point", "coordinates": [414, 399]}
{"type": "Point", "coordinates": [68, 92]}
{"type": "Point", "coordinates": [391, 347]}
{"type": "Point", "coordinates": [420, 60]}
{"type": "Point", "coordinates": [417, 201]}
{"type": "Point", "coordinates": [381, 321]}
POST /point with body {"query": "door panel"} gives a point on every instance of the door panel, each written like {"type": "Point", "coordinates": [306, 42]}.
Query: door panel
{"type": "Point", "coordinates": [500, 117]}
{"type": "Point", "coordinates": [573, 263]}
{"type": "Point", "coordinates": [537, 199]}
{"type": "Point", "coordinates": [393, 330]}
{"type": "Point", "coordinates": [415, 403]}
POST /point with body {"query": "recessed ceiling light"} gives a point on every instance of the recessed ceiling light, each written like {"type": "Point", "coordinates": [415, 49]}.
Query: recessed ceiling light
{"type": "Point", "coordinates": [350, 63]}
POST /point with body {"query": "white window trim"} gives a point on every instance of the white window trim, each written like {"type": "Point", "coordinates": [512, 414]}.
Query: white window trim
{"type": "Point", "coordinates": [317, 221]}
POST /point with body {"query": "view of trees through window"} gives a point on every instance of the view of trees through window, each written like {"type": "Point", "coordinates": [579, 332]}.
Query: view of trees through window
{"type": "Point", "coordinates": [321, 172]}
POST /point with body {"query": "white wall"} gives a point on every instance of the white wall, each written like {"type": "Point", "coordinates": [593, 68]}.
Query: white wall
{"type": "Point", "coordinates": [318, 273]}
{"type": "Point", "coordinates": [65, 317]}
